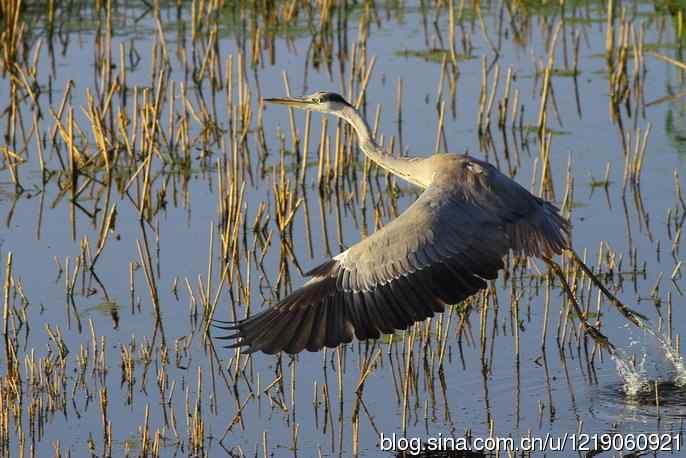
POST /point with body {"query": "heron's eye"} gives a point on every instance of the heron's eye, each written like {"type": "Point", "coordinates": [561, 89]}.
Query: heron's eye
{"type": "Point", "coordinates": [316, 100]}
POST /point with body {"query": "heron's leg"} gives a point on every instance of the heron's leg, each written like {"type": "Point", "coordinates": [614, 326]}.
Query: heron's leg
{"type": "Point", "coordinates": [630, 314]}
{"type": "Point", "coordinates": [591, 330]}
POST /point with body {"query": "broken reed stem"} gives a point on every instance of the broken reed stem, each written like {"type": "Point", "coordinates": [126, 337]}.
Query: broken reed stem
{"type": "Point", "coordinates": [305, 147]}
{"type": "Point", "coordinates": [610, 33]}
{"type": "Point", "coordinates": [545, 93]}
{"type": "Point", "coordinates": [409, 346]}
{"type": "Point", "coordinates": [669, 60]}
{"type": "Point", "coordinates": [6, 311]}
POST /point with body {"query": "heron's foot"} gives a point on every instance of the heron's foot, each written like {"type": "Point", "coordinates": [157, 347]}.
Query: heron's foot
{"type": "Point", "coordinates": [600, 339]}
{"type": "Point", "coordinates": [635, 317]}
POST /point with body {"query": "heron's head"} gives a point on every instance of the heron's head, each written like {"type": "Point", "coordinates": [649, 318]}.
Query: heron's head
{"type": "Point", "coordinates": [323, 102]}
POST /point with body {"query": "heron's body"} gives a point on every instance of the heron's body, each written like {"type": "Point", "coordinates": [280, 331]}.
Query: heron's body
{"type": "Point", "coordinates": [440, 251]}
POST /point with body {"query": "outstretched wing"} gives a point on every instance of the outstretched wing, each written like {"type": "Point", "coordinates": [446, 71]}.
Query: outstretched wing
{"type": "Point", "coordinates": [440, 251]}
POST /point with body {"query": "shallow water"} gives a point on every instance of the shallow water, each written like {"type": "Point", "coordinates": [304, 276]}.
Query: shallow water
{"type": "Point", "coordinates": [497, 391]}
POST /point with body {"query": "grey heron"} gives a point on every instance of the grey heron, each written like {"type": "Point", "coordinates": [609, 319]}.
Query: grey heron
{"type": "Point", "coordinates": [442, 249]}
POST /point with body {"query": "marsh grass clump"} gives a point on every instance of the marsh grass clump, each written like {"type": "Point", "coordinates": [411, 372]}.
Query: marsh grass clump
{"type": "Point", "coordinates": [11, 37]}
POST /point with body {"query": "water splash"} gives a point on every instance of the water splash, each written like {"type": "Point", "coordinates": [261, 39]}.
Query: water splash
{"type": "Point", "coordinates": [672, 356]}
{"type": "Point", "coordinates": [634, 375]}
{"type": "Point", "coordinates": [635, 378]}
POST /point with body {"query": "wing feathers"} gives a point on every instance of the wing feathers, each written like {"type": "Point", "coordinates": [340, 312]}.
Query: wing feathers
{"type": "Point", "coordinates": [301, 337]}
{"type": "Point", "coordinates": [440, 251]}
{"type": "Point", "coordinates": [405, 310]}
{"type": "Point", "coordinates": [316, 341]}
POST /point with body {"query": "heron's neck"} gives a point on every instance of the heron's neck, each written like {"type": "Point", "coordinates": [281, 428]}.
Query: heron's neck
{"type": "Point", "coordinates": [407, 169]}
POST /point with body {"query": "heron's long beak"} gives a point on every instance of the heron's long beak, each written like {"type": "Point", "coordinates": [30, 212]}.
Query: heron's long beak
{"type": "Point", "coordinates": [296, 102]}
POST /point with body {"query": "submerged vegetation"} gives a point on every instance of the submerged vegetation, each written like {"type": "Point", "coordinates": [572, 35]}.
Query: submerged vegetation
{"type": "Point", "coordinates": [145, 189]}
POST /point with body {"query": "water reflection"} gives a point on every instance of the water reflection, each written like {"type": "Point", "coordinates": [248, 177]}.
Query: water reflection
{"type": "Point", "coordinates": [665, 401]}
{"type": "Point", "coordinates": [675, 124]}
